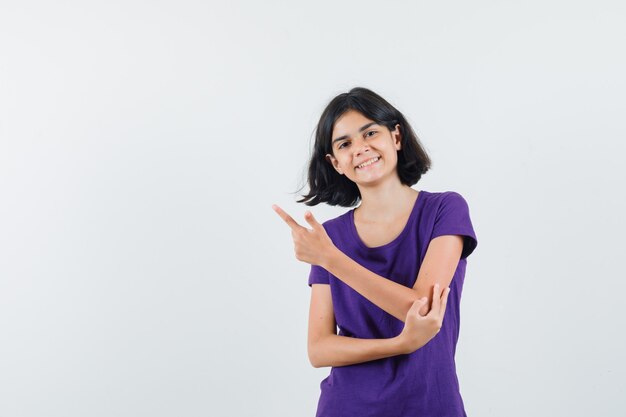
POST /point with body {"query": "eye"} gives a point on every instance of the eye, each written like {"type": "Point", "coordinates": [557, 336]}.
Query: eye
{"type": "Point", "coordinates": [367, 134]}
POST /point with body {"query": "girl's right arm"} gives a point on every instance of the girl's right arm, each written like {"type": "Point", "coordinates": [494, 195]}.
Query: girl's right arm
{"type": "Point", "coordinates": [326, 348]}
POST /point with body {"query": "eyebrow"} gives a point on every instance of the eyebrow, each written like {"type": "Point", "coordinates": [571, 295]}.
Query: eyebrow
{"type": "Point", "coordinates": [360, 130]}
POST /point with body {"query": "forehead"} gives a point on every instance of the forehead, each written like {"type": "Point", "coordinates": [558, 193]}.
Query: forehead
{"type": "Point", "coordinates": [349, 123]}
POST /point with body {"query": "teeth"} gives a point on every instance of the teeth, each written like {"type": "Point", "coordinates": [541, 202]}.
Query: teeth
{"type": "Point", "coordinates": [370, 162]}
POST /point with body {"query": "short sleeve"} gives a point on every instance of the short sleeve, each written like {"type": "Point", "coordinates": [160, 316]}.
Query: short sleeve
{"type": "Point", "coordinates": [453, 218]}
{"type": "Point", "coordinates": [318, 275]}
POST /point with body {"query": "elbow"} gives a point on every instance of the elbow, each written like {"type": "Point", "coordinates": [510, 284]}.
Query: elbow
{"type": "Point", "coordinates": [314, 362]}
{"type": "Point", "coordinates": [315, 365]}
{"type": "Point", "coordinates": [313, 357]}
{"type": "Point", "coordinates": [314, 352]}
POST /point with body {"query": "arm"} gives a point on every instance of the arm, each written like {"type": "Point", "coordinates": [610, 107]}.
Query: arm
{"type": "Point", "coordinates": [335, 350]}
{"type": "Point", "coordinates": [440, 262]}
{"type": "Point", "coordinates": [326, 348]}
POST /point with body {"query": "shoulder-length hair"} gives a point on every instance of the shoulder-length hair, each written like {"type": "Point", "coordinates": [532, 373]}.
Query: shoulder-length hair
{"type": "Point", "coordinates": [326, 185]}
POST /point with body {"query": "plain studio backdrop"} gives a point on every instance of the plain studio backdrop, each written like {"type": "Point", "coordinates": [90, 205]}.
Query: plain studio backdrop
{"type": "Point", "coordinates": [142, 144]}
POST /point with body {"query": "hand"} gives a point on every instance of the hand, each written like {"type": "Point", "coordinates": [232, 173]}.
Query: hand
{"type": "Point", "coordinates": [418, 329]}
{"type": "Point", "coordinates": [312, 246]}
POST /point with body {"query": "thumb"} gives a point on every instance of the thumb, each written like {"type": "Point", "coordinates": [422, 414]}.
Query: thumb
{"type": "Point", "coordinates": [417, 304]}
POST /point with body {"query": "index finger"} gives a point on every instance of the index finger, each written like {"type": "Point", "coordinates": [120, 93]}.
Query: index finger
{"type": "Point", "coordinates": [287, 218]}
{"type": "Point", "coordinates": [436, 304]}
{"type": "Point", "coordinates": [444, 301]}
{"type": "Point", "coordinates": [436, 297]}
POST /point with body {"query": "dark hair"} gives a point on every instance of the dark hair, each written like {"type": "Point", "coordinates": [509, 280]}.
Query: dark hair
{"type": "Point", "coordinates": [326, 185]}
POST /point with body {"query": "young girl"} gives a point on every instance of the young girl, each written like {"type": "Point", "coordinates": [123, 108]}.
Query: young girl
{"type": "Point", "coordinates": [388, 273]}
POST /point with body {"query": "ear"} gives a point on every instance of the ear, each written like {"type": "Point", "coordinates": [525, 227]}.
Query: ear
{"type": "Point", "coordinates": [333, 161]}
{"type": "Point", "coordinates": [397, 137]}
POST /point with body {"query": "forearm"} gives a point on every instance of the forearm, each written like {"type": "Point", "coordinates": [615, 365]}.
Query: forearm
{"type": "Point", "coordinates": [394, 298]}
{"type": "Point", "coordinates": [336, 350]}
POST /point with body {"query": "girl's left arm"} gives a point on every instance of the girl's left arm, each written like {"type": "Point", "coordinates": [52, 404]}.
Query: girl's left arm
{"type": "Point", "coordinates": [440, 263]}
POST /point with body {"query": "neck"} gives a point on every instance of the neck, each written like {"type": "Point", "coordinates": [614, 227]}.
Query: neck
{"type": "Point", "coordinates": [385, 204]}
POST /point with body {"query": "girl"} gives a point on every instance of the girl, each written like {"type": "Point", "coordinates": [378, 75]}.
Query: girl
{"type": "Point", "coordinates": [385, 272]}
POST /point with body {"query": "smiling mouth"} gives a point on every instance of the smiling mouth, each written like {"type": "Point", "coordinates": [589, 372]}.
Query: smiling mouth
{"type": "Point", "coordinates": [369, 163]}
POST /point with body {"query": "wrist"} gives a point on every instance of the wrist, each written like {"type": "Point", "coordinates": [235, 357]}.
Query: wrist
{"type": "Point", "coordinates": [400, 345]}
{"type": "Point", "coordinates": [331, 258]}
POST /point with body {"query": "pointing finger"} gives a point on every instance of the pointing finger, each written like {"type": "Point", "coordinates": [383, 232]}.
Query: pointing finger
{"type": "Point", "coordinates": [287, 218]}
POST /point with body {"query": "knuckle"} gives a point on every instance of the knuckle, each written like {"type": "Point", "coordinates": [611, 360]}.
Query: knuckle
{"type": "Point", "coordinates": [435, 324]}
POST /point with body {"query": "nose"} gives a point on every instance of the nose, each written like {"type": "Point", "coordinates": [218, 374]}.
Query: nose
{"type": "Point", "coordinates": [360, 147]}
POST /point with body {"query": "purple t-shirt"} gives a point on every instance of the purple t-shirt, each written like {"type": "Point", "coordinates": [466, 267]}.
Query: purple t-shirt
{"type": "Point", "coordinates": [423, 383]}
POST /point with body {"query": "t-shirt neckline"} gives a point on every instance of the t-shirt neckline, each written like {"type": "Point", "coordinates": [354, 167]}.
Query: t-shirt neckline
{"type": "Point", "coordinates": [394, 242]}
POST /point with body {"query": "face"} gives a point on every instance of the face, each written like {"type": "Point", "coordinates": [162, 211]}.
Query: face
{"type": "Point", "coordinates": [357, 139]}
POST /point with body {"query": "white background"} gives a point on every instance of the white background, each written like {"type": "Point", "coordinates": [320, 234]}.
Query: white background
{"type": "Point", "coordinates": [142, 144]}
